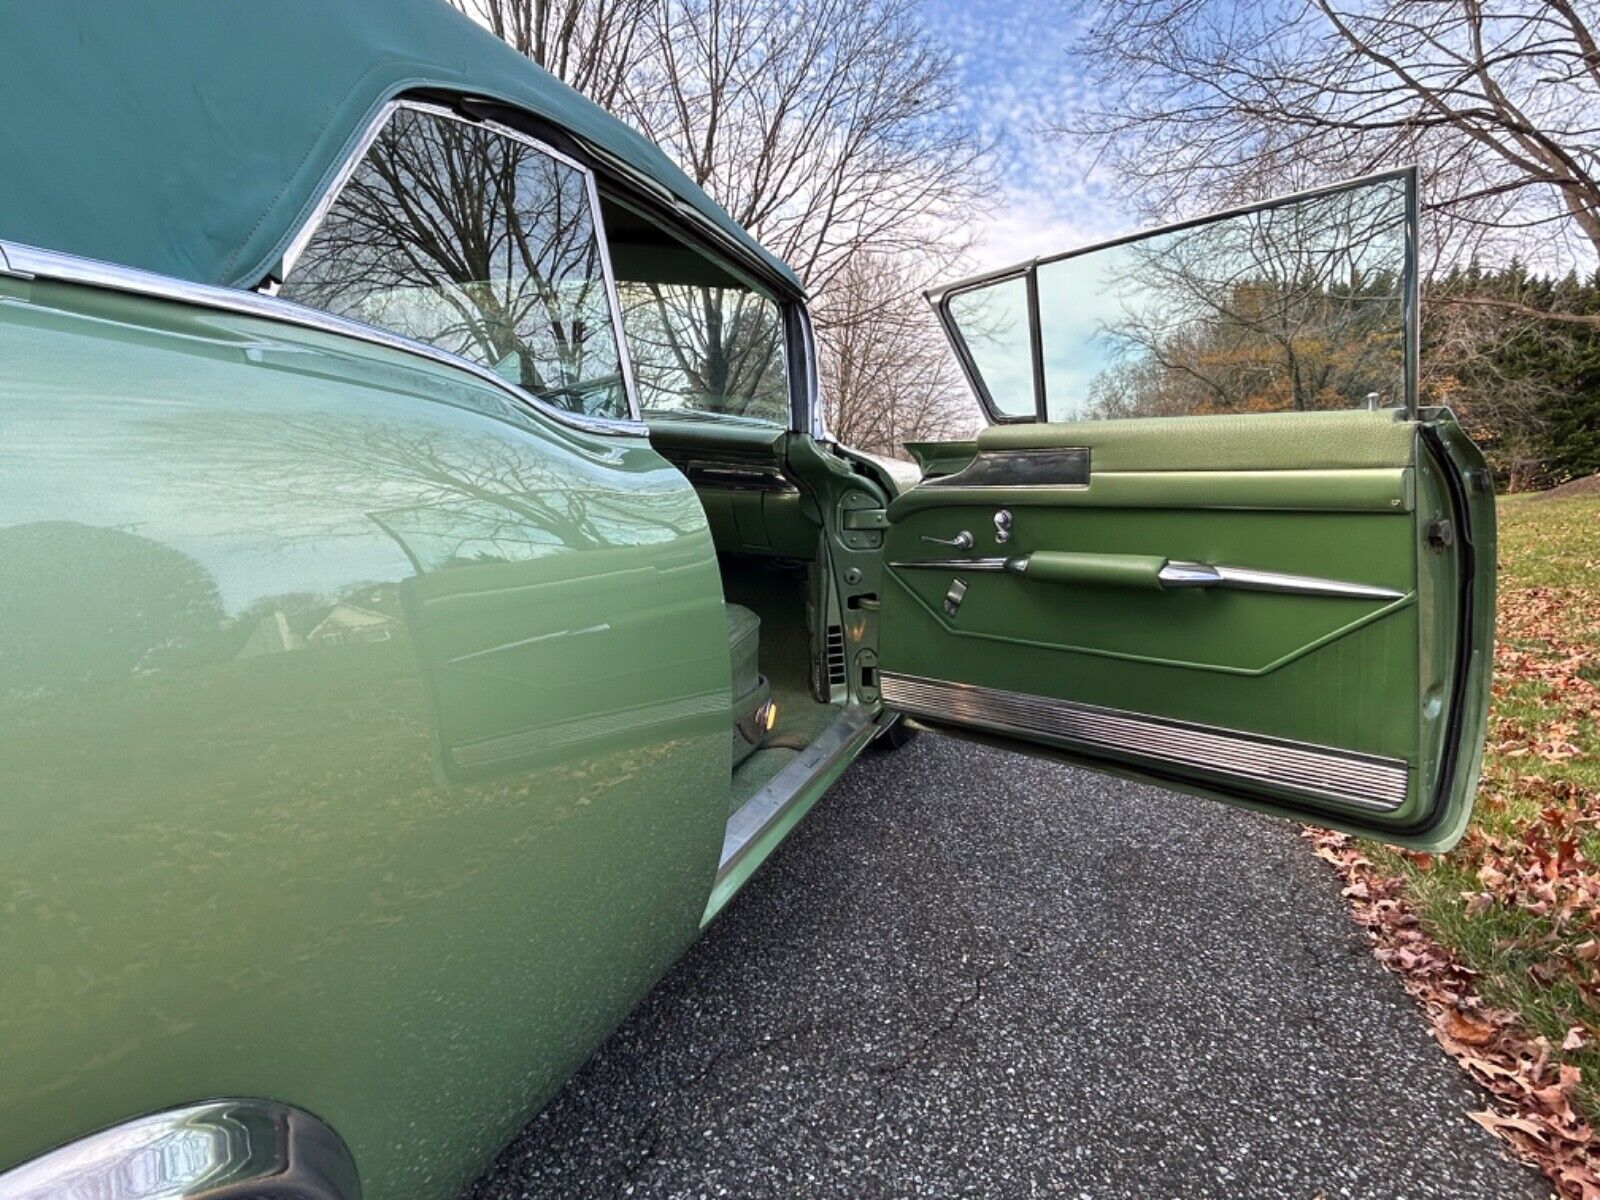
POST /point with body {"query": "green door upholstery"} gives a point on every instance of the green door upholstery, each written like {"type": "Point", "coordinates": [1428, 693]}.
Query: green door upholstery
{"type": "Point", "coordinates": [1264, 608]}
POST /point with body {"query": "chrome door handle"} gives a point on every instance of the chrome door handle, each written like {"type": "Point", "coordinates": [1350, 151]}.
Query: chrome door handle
{"type": "Point", "coordinates": [961, 541]}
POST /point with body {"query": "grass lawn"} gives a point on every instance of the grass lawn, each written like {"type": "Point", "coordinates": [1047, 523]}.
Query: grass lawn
{"type": "Point", "coordinates": [1518, 901]}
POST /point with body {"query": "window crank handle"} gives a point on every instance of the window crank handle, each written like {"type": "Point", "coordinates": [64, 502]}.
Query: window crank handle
{"type": "Point", "coordinates": [961, 541]}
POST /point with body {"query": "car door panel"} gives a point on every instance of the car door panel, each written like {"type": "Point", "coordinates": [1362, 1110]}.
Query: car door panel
{"type": "Point", "coordinates": [401, 711]}
{"type": "Point", "coordinates": [1292, 679]}
{"type": "Point", "coordinates": [1210, 539]}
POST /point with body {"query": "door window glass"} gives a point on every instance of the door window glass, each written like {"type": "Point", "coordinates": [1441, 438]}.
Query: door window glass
{"type": "Point", "coordinates": [479, 243]}
{"type": "Point", "coordinates": [993, 323]}
{"type": "Point", "coordinates": [1292, 308]}
{"type": "Point", "coordinates": [1298, 305]}
{"type": "Point", "coordinates": [706, 348]}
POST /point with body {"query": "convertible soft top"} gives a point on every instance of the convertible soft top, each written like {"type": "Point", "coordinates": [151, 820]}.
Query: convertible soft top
{"type": "Point", "coordinates": [193, 137]}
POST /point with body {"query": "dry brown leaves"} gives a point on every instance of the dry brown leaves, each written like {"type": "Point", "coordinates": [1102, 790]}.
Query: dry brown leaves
{"type": "Point", "coordinates": [1540, 866]}
{"type": "Point", "coordinates": [1533, 1111]}
{"type": "Point", "coordinates": [1536, 865]}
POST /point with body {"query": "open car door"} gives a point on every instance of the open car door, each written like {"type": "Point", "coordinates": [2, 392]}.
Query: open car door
{"type": "Point", "coordinates": [1209, 539]}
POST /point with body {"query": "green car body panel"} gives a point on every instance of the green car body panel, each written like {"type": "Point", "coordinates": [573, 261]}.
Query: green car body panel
{"type": "Point", "coordinates": [404, 880]}
{"type": "Point", "coordinates": [366, 748]}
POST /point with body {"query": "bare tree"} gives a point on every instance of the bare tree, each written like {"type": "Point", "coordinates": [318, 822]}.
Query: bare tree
{"type": "Point", "coordinates": [1201, 101]}
{"type": "Point", "coordinates": [891, 379]}
{"type": "Point", "coordinates": [825, 127]}
{"type": "Point", "coordinates": [590, 44]}
{"type": "Point", "coordinates": [829, 129]}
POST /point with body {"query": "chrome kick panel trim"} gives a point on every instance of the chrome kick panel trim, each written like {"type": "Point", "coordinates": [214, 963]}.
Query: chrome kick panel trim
{"type": "Point", "coordinates": [1318, 772]}
{"type": "Point", "coordinates": [1244, 579]}
{"type": "Point", "coordinates": [217, 1150]}
{"type": "Point", "coordinates": [1053, 467]}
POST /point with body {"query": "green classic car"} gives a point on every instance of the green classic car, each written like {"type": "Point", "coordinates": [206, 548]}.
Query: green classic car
{"type": "Point", "coordinates": [428, 589]}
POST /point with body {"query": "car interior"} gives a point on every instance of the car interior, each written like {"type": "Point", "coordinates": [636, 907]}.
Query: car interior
{"type": "Point", "coordinates": [710, 348]}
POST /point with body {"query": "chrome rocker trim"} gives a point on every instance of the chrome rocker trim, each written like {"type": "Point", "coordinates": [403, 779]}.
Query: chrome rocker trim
{"type": "Point", "coordinates": [850, 730]}
{"type": "Point", "coordinates": [218, 1150]}
{"type": "Point", "coordinates": [1318, 772]}
{"type": "Point", "coordinates": [31, 262]}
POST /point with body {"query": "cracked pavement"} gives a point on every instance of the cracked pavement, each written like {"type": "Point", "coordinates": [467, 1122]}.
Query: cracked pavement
{"type": "Point", "coordinates": [970, 973]}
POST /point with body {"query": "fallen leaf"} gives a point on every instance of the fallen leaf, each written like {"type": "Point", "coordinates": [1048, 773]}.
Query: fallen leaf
{"type": "Point", "coordinates": [1469, 1031]}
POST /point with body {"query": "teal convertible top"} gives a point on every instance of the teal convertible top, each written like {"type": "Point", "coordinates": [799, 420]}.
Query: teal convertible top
{"type": "Point", "coordinates": [193, 137]}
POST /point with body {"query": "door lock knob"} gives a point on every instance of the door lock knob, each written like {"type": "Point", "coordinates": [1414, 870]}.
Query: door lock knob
{"type": "Point", "coordinates": [1002, 526]}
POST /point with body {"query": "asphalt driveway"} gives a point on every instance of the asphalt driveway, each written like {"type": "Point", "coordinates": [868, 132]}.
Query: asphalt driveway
{"type": "Point", "coordinates": [973, 974]}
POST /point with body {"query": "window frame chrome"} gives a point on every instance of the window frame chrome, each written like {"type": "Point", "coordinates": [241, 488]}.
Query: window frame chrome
{"type": "Point", "coordinates": [352, 162]}
{"type": "Point", "coordinates": [1410, 288]}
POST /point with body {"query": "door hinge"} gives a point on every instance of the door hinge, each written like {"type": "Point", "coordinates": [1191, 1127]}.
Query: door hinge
{"type": "Point", "coordinates": [1440, 533]}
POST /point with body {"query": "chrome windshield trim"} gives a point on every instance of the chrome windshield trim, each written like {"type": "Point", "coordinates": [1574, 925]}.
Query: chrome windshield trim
{"type": "Point", "coordinates": [69, 268]}
{"type": "Point", "coordinates": [209, 1151]}
{"type": "Point", "coordinates": [330, 195]}
{"type": "Point", "coordinates": [302, 237]}
{"type": "Point", "coordinates": [817, 417]}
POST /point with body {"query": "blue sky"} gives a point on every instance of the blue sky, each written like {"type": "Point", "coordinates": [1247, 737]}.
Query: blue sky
{"type": "Point", "coordinates": [1016, 77]}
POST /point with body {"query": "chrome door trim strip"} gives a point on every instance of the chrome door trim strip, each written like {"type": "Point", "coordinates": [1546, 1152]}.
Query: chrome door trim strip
{"type": "Point", "coordinates": [209, 1151]}
{"type": "Point", "coordinates": [1323, 773]}
{"type": "Point", "coordinates": [31, 261]}
{"type": "Point", "coordinates": [7, 269]}
{"type": "Point", "coordinates": [1178, 574]}
{"type": "Point", "coordinates": [330, 195]}
{"type": "Point", "coordinates": [1064, 467]}
{"type": "Point", "coordinates": [956, 564]}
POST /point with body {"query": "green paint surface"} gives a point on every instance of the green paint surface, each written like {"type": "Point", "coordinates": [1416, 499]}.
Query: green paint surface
{"type": "Point", "coordinates": [366, 738]}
